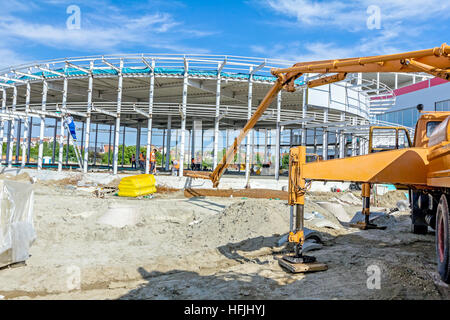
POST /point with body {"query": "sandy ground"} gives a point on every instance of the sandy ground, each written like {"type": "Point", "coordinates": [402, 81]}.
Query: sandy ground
{"type": "Point", "coordinates": [210, 248]}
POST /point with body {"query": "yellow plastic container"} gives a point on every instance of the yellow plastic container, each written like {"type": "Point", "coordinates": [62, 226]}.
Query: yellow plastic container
{"type": "Point", "coordinates": [139, 185]}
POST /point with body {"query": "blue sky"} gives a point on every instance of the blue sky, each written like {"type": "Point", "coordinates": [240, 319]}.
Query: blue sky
{"type": "Point", "coordinates": [287, 29]}
{"type": "Point", "coordinates": [297, 30]}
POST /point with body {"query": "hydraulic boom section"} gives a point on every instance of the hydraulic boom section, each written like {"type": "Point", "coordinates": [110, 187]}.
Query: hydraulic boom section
{"type": "Point", "coordinates": [434, 61]}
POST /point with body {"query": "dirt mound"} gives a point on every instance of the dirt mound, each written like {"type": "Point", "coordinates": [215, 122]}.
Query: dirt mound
{"type": "Point", "coordinates": [24, 177]}
{"type": "Point", "coordinates": [389, 199]}
{"type": "Point", "coordinates": [241, 221]}
{"type": "Point", "coordinates": [73, 180]}
{"type": "Point", "coordinates": [247, 193]}
{"type": "Point", "coordinates": [165, 189]}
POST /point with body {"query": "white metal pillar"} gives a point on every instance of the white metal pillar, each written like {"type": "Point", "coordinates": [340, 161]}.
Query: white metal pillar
{"type": "Point", "coordinates": [61, 125]}
{"type": "Point", "coordinates": [304, 109]}
{"type": "Point", "coordinates": [168, 137]}
{"type": "Point", "coordinates": [342, 139]}
{"type": "Point", "coordinates": [183, 117]}
{"type": "Point", "coordinates": [216, 121]}
{"type": "Point", "coordinates": [88, 118]}
{"type": "Point", "coordinates": [325, 131]}
{"type": "Point", "coordinates": [150, 117]}
{"type": "Point", "coordinates": [42, 126]}
{"type": "Point", "coordinates": [278, 138]}
{"type": "Point", "coordinates": [117, 127]}
{"type": "Point", "coordinates": [250, 134]}
{"type": "Point", "coordinates": [11, 131]}
{"type": "Point", "coordinates": [26, 124]}
{"type": "Point", "coordinates": [354, 138]}
{"type": "Point", "coordinates": [2, 127]}
{"type": "Point", "coordinates": [361, 146]}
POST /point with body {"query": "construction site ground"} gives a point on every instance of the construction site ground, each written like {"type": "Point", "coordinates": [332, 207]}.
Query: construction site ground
{"type": "Point", "coordinates": [194, 246]}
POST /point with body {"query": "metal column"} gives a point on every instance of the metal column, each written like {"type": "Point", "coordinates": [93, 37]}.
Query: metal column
{"type": "Point", "coordinates": [54, 141]}
{"type": "Point", "coordinates": [216, 121]}
{"type": "Point", "coordinates": [11, 129]}
{"type": "Point", "coordinates": [342, 139]}
{"type": "Point", "coordinates": [150, 114]}
{"type": "Point", "coordinates": [183, 117]}
{"type": "Point", "coordinates": [61, 128]}
{"type": "Point", "coordinates": [123, 145]}
{"type": "Point", "coordinates": [109, 146]}
{"type": "Point", "coordinates": [88, 118]}
{"type": "Point", "coordinates": [250, 135]}
{"type": "Point", "coordinates": [2, 128]}
{"type": "Point", "coordinates": [138, 139]}
{"type": "Point", "coordinates": [304, 109]}
{"type": "Point", "coordinates": [117, 126]}
{"type": "Point", "coordinates": [19, 131]}
{"type": "Point", "coordinates": [354, 138]}
{"type": "Point", "coordinates": [30, 129]}
{"type": "Point", "coordinates": [42, 127]}
{"type": "Point", "coordinates": [193, 140]}
{"type": "Point", "coordinates": [278, 138]}
{"type": "Point", "coordinates": [325, 136]}
{"type": "Point", "coordinates": [168, 137]}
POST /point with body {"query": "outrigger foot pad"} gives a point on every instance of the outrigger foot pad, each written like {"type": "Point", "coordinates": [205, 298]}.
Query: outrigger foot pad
{"type": "Point", "coordinates": [302, 264]}
{"type": "Point", "coordinates": [300, 259]}
{"type": "Point", "coordinates": [366, 226]}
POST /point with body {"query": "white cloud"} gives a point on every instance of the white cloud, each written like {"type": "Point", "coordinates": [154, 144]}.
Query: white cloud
{"type": "Point", "coordinates": [8, 58]}
{"type": "Point", "coordinates": [110, 31]}
{"type": "Point", "coordinates": [405, 25]}
{"type": "Point", "coordinates": [352, 14]}
{"type": "Point", "coordinates": [385, 42]}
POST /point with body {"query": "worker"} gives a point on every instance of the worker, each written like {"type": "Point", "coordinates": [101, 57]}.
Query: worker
{"type": "Point", "coordinates": [133, 161]}
{"type": "Point", "coordinates": [175, 167]}
{"type": "Point", "coordinates": [153, 161]}
{"type": "Point", "coordinates": [141, 161]}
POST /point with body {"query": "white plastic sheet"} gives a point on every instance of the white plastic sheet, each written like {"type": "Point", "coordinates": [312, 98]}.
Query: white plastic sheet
{"type": "Point", "coordinates": [17, 232]}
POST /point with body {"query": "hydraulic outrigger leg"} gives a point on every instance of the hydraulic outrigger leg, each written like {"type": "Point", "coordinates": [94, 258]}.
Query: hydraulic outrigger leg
{"type": "Point", "coordinates": [297, 190]}
{"type": "Point", "coordinates": [366, 210]}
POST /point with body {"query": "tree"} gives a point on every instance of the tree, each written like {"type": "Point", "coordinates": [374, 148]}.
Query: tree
{"type": "Point", "coordinates": [285, 161]}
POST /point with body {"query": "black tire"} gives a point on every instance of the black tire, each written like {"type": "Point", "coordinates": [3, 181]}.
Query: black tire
{"type": "Point", "coordinates": [418, 223]}
{"type": "Point", "coordinates": [443, 239]}
{"type": "Point", "coordinates": [419, 229]}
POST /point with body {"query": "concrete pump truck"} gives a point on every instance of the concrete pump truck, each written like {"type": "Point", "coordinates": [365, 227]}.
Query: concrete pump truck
{"type": "Point", "coordinates": [423, 167]}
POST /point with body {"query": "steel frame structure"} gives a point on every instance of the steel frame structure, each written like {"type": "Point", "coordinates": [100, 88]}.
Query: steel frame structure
{"type": "Point", "coordinates": [108, 89]}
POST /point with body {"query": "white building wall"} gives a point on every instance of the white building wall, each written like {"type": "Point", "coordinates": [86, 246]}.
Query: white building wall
{"type": "Point", "coordinates": [428, 97]}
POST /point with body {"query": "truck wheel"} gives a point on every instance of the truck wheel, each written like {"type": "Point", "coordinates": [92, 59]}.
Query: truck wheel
{"type": "Point", "coordinates": [442, 239]}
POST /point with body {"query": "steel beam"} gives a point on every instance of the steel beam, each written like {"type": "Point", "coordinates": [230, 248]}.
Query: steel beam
{"type": "Point", "coordinates": [88, 118]}
{"type": "Point", "coordinates": [26, 124]}
{"type": "Point", "coordinates": [117, 126]}
{"type": "Point", "coordinates": [249, 138]}
{"type": "Point", "coordinates": [217, 119]}
{"type": "Point", "coordinates": [278, 138]}
{"type": "Point", "coordinates": [183, 120]}
{"type": "Point", "coordinates": [168, 137]}
{"type": "Point", "coordinates": [342, 139]}
{"type": "Point", "coordinates": [11, 131]}
{"type": "Point", "coordinates": [149, 118]}
{"type": "Point", "coordinates": [42, 126]}
{"type": "Point", "coordinates": [2, 127]}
